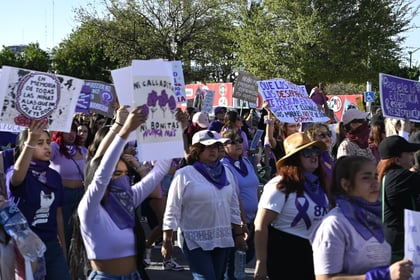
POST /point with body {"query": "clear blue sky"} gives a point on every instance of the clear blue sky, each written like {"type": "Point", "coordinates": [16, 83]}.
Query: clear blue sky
{"type": "Point", "coordinates": [48, 22]}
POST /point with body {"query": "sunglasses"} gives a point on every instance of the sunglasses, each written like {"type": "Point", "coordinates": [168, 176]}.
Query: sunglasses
{"type": "Point", "coordinates": [309, 152]}
{"type": "Point", "coordinates": [324, 135]}
{"type": "Point", "coordinates": [235, 141]}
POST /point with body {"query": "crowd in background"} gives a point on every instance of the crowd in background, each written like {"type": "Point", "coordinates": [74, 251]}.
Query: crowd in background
{"type": "Point", "coordinates": [307, 194]}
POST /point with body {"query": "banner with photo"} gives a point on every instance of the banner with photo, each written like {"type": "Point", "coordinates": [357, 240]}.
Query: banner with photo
{"type": "Point", "coordinates": [400, 98]}
{"type": "Point", "coordinates": [289, 102]}
{"type": "Point", "coordinates": [161, 136]}
{"type": "Point", "coordinates": [29, 94]}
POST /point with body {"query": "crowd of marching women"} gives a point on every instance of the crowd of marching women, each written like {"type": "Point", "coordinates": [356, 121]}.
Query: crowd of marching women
{"type": "Point", "coordinates": [326, 197]}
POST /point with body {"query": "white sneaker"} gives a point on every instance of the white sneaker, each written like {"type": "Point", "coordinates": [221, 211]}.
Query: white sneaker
{"type": "Point", "coordinates": [171, 264]}
{"type": "Point", "coordinates": [147, 257]}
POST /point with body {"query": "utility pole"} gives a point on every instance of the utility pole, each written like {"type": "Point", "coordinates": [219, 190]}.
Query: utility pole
{"type": "Point", "coordinates": [411, 54]}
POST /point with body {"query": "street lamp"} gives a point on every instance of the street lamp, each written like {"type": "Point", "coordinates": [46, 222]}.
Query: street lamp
{"type": "Point", "coordinates": [411, 53]}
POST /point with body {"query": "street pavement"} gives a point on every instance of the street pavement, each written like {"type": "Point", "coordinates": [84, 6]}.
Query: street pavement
{"type": "Point", "coordinates": [156, 272]}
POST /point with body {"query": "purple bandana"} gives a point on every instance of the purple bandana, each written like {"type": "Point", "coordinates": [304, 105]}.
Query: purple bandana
{"type": "Point", "coordinates": [213, 172]}
{"type": "Point", "coordinates": [364, 216]}
{"type": "Point", "coordinates": [314, 190]}
{"type": "Point", "coordinates": [238, 164]}
{"type": "Point", "coordinates": [119, 203]}
{"type": "Point", "coordinates": [71, 149]}
{"type": "Point", "coordinates": [38, 169]}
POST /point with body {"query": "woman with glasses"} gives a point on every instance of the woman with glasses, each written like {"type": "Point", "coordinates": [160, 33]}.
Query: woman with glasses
{"type": "Point", "coordinates": [203, 208]}
{"type": "Point", "coordinates": [234, 122]}
{"type": "Point", "coordinates": [357, 129]}
{"type": "Point", "coordinates": [321, 132]}
{"type": "Point", "coordinates": [292, 204]}
{"type": "Point", "coordinates": [248, 182]}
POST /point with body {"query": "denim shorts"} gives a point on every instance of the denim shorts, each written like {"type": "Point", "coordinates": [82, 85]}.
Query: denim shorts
{"type": "Point", "coordinates": [99, 275]}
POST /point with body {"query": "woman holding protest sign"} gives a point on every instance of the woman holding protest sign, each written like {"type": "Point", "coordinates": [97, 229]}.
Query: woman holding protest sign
{"type": "Point", "coordinates": [275, 133]}
{"type": "Point", "coordinates": [38, 192]}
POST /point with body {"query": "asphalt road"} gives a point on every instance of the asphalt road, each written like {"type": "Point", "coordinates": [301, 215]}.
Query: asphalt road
{"type": "Point", "coordinates": [156, 272]}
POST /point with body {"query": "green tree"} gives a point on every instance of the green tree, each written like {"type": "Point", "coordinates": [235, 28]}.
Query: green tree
{"type": "Point", "coordinates": [7, 57]}
{"type": "Point", "coordinates": [83, 55]}
{"type": "Point", "coordinates": [199, 33]}
{"type": "Point", "coordinates": [310, 41]}
{"type": "Point", "coordinates": [31, 57]}
{"type": "Point", "coordinates": [34, 58]}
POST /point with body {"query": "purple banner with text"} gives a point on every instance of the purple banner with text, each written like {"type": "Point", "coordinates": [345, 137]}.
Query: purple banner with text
{"type": "Point", "coordinates": [399, 97]}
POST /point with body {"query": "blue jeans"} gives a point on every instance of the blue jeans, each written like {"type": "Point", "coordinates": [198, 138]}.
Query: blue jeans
{"type": "Point", "coordinates": [55, 263]}
{"type": "Point", "coordinates": [72, 198]}
{"type": "Point", "coordinates": [229, 275]}
{"type": "Point", "coordinates": [207, 265]}
{"type": "Point", "coordinates": [99, 275]}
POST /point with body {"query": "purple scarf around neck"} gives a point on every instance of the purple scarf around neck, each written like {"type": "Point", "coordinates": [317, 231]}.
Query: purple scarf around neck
{"type": "Point", "coordinates": [72, 150]}
{"type": "Point", "coordinates": [314, 190]}
{"type": "Point", "coordinates": [38, 169]}
{"type": "Point", "coordinates": [213, 172]}
{"type": "Point", "coordinates": [364, 216]}
{"type": "Point", "coordinates": [239, 165]}
{"type": "Point", "coordinates": [120, 202]}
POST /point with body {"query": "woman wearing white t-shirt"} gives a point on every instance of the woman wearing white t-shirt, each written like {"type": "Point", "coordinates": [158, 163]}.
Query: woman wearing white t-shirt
{"type": "Point", "coordinates": [291, 205]}
{"type": "Point", "coordinates": [349, 243]}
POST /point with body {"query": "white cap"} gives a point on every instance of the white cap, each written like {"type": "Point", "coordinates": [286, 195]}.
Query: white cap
{"type": "Point", "coordinates": [353, 114]}
{"type": "Point", "coordinates": [202, 119]}
{"type": "Point", "coordinates": [208, 137]}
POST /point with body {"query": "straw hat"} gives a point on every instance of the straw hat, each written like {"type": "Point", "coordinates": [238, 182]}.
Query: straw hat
{"type": "Point", "coordinates": [295, 143]}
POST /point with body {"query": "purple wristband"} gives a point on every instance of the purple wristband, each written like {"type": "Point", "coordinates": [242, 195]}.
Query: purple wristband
{"type": "Point", "coordinates": [379, 273]}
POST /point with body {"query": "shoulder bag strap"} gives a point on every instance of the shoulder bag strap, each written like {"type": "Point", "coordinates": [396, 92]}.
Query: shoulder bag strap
{"type": "Point", "coordinates": [80, 171]}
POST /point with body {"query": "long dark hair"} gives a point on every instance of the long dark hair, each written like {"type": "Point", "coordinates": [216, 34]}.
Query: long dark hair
{"type": "Point", "coordinates": [78, 261]}
{"type": "Point", "coordinates": [22, 137]}
{"type": "Point", "coordinates": [346, 167]}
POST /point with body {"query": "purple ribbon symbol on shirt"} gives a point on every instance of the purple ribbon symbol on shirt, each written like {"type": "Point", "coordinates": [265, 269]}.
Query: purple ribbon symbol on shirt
{"type": "Point", "coordinates": [302, 212]}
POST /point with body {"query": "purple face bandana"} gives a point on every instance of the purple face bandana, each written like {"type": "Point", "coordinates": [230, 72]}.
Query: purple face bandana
{"type": "Point", "coordinates": [119, 204]}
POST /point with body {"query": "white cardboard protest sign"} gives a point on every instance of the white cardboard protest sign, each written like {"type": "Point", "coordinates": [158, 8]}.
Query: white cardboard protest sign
{"type": "Point", "coordinates": [161, 136]}
{"type": "Point", "coordinates": [412, 240]}
{"type": "Point", "coordinates": [28, 94]}
{"type": "Point", "coordinates": [289, 102]}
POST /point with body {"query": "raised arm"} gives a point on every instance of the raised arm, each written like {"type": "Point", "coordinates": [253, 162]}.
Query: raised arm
{"type": "Point", "coordinates": [21, 166]}
{"type": "Point", "coordinates": [121, 116]}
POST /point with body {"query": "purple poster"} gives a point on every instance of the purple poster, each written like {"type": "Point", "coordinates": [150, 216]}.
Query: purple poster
{"type": "Point", "coordinates": [399, 97]}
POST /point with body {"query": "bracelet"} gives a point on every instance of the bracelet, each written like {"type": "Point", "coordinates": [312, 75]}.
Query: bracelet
{"type": "Point", "coordinates": [118, 123]}
{"type": "Point", "coordinates": [29, 146]}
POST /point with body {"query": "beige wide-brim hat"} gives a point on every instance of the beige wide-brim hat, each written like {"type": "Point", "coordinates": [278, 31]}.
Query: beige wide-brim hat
{"type": "Point", "coordinates": [295, 143]}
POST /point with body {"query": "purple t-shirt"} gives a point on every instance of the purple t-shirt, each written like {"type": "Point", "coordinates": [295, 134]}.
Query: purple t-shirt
{"type": "Point", "coordinates": [38, 201]}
